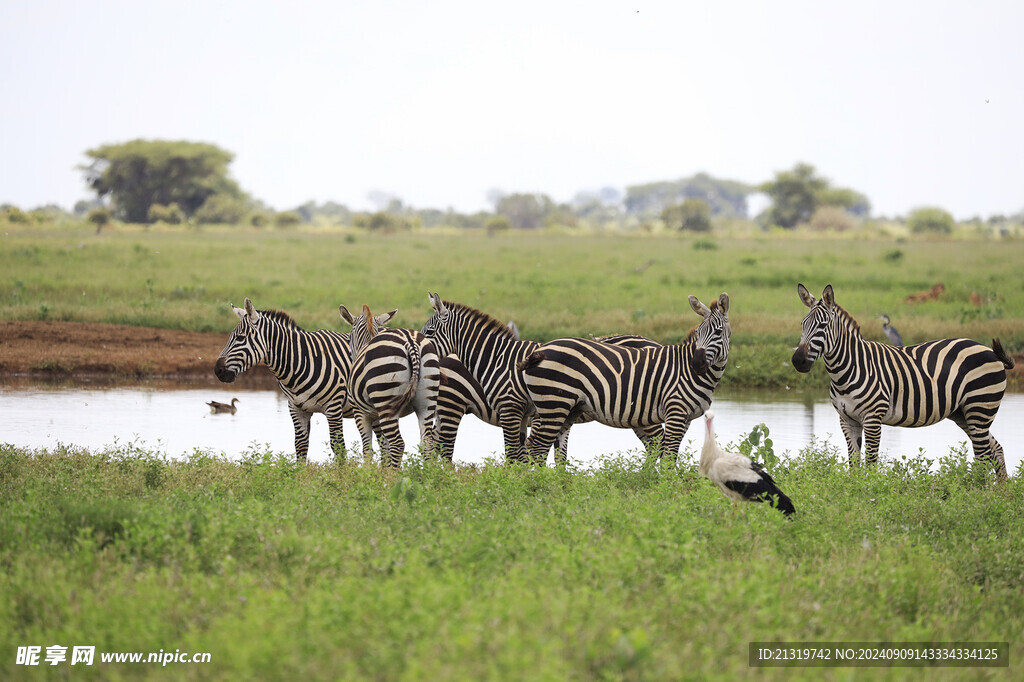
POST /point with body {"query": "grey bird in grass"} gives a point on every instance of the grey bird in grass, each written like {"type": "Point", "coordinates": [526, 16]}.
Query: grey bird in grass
{"type": "Point", "coordinates": [890, 332]}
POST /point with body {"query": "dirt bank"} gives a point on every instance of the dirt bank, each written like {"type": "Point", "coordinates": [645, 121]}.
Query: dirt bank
{"type": "Point", "coordinates": [77, 349]}
{"type": "Point", "coordinates": [113, 351]}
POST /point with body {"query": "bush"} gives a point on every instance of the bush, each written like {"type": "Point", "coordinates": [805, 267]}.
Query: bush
{"type": "Point", "coordinates": [259, 219]}
{"type": "Point", "coordinates": [693, 215]}
{"type": "Point", "coordinates": [496, 224]}
{"type": "Point", "coordinates": [831, 219]}
{"type": "Point", "coordinates": [287, 219]}
{"type": "Point", "coordinates": [16, 215]}
{"type": "Point", "coordinates": [172, 214]}
{"type": "Point", "coordinates": [930, 219]}
{"type": "Point", "coordinates": [221, 208]}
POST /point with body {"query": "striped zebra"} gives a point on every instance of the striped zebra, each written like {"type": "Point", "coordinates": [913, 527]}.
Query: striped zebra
{"type": "Point", "coordinates": [628, 387]}
{"type": "Point", "coordinates": [875, 383]}
{"type": "Point", "coordinates": [311, 368]}
{"type": "Point", "coordinates": [479, 358]}
{"type": "Point", "coordinates": [394, 372]}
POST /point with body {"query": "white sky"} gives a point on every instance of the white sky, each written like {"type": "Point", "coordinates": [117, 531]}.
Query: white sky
{"type": "Point", "coordinates": [911, 103]}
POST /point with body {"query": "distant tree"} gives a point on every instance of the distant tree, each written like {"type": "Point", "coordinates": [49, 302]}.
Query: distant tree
{"type": "Point", "coordinates": [693, 215]}
{"type": "Point", "coordinates": [525, 211]}
{"type": "Point", "coordinates": [141, 173]}
{"type": "Point", "coordinates": [100, 217]}
{"type": "Point", "coordinates": [797, 193]}
{"type": "Point", "coordinates": [930, 219]}
{"type": "Point", "coordinates": [725, 198]}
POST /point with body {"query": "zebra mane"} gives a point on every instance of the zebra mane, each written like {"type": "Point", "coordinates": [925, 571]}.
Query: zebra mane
{"type": "Point", "coordinates": [281, 318]}
{"type": "Point", "coordinates": [847, 319]}
{"type": "Point", "coordinates": [488, 322]}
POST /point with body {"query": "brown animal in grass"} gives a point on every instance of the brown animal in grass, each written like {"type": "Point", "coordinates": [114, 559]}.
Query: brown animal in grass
{"type": "Point", "coordinates": [930, 295]}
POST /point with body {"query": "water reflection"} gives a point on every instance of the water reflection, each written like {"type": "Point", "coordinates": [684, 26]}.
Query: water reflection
{"type": "Point", "coordinates": [175, 420]}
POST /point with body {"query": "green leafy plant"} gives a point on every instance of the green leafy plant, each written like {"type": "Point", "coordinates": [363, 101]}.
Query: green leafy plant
{"type": "Point", "coordinates": [759, 447]}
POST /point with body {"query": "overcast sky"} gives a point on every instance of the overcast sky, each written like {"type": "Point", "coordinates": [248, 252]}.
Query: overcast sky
{"type": "Point", "coordinates": [911, 103]}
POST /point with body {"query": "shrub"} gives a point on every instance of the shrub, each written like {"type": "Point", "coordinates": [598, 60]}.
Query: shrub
{"type": "Point", "coordinates": [496, 224]}
{"type": "Point", "coordinates": [16, 215]}
{"type": "Point", "coordinates": [171, 214]}
{"type": "Point", "coordinates": [221, 208]}
{"type": "Point", "coordinates": [930, 219]}
{"type": "Point", "coordinates": [287, 219]}
{"type": "Point", "coordinates": [831, 219]}
{"type": "Point", "coordinates": [693, 215]}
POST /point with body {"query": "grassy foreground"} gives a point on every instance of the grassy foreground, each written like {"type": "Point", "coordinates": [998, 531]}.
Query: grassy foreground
{"type": "Point", "coordinates": [552, 285]}
{"type": "Point", "coordinates": [326, 572]}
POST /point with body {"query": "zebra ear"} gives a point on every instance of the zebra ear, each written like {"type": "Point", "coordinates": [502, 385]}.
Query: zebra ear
{"type": "Point", "coordinates": [723, 303]}
{"type": "Point", "coordinates": [699, 307]}
{"type": "Point", "coordinates": [251, 311]}
{"type": "Point", "coordinates": [384, 318]}
{"type": "Point", "coordinates": [805, 295]}
{"type": "Point", "coordinates": [828, 297]}
{"type": "Point", "coordinates": [346, 315]}
{"type": "Point", "coordinates": [436, 303]}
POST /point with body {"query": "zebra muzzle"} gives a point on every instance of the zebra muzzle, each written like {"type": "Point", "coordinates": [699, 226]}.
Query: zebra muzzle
{"type": "Point", "coordinates": [223, 373]}
{"type": "Point", "coordinates": [801, 362]}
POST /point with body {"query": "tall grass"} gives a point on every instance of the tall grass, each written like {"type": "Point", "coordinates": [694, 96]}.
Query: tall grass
{"type": "Point", "coordinates": [551, 284]}
{"type": "Point", "coordinates": [281, 571]}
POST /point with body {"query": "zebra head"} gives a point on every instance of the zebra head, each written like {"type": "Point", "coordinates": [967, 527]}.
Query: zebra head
{"type": "Point", "coordinates": [711, 337]}
{"type": "Point", "coordinates": [246, 347]}
{"type": "Point", "coordinates": [815, 325]}
{"type": "Point", "coordinates": [364, 326]}
{"type": "Point", "coordinates": [439, 326]}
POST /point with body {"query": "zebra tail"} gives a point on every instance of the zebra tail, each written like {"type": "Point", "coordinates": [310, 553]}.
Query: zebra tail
{"type": "Point", "coordinates": [532, 360]}
{"type": "Point", "coordinates": [1007, 361]}
{"type": "Point", "coordinates": [395, 407]}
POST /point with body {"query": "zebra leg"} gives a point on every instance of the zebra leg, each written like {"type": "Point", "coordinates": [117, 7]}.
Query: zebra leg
{"type": "Point", "coordinates": [450, 410]}
{"type": "Point", "coordinates": [675, 429]}
{"type": "Point", "coordinates": [337, 431]}
{"type": "Point", "coordinates": [872, 436]}
{"type": "Point", "coordinates": [852, 431]}
{"type": "Point", "coordinates": [651, 437]}
{"type": "Point", "coordinates": [986, 448]}
{"type": "Point", "coordinates": [395, 445]}
{"type": "Point", "coordinates": [562, 447]}
{"type": "Point", "coordinates": [365, 426]}
{"type": "Point", "coordinates": [300, 420]}
{"type": "Point", "coordinates": [511, 419]}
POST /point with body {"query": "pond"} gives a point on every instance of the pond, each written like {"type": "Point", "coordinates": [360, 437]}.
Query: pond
{"type": "Point", "coordinates": [173, 419]}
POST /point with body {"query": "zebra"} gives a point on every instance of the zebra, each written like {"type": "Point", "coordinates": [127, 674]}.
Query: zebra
{"type": "Point", "coordinates": [875, 383]}
{"type": "Point", "coordinates": [311, 369]}
{"type": "Point", "coordinates": [628, 387]}
{"type": "Point", "coordinates": [394, 372]}
{"type": "Point", "coordinates": [479, 358]}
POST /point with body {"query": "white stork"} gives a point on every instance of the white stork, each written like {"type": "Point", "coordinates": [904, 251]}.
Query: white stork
{"type": "Point", "coordinates": [737, 476]}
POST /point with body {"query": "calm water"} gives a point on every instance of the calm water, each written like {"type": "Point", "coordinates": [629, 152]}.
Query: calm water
{"type": "Point", "coordinates": [174, 420]}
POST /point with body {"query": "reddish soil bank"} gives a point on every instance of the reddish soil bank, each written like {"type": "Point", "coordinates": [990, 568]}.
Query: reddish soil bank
{"type": "Point", "coordinates": [78, 349]}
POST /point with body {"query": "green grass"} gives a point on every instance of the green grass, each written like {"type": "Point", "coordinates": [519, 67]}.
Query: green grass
{"type": "Point", "coordinates": [284, 572]}
{"type": "Point", "coordinates": [551, 284]}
